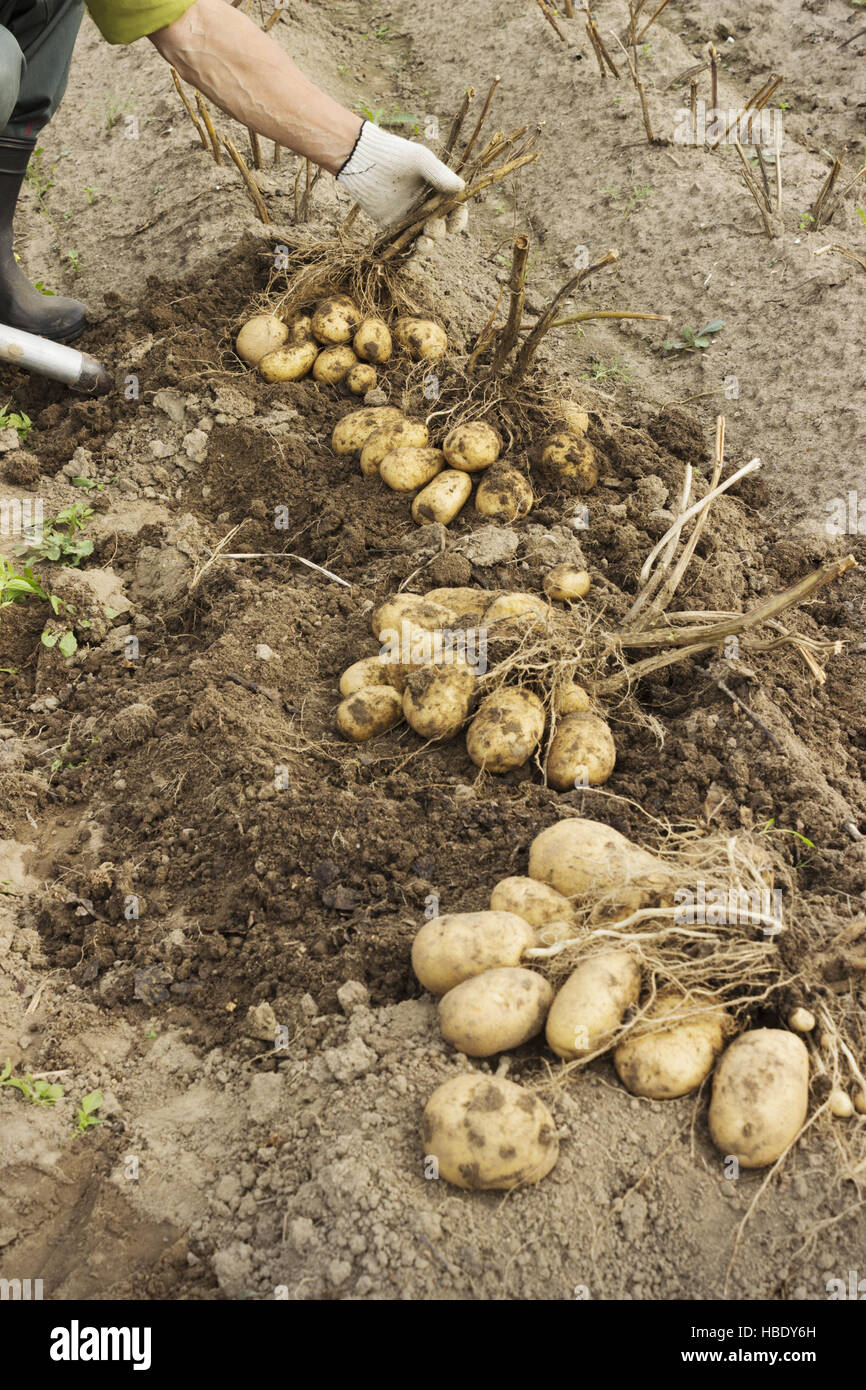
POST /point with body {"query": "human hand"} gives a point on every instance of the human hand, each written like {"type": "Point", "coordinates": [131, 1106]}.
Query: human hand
{"type": "Point", "coordinates": [387, 174]}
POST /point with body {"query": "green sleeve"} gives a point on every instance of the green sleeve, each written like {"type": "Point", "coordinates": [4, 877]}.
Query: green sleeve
{"type": "Point", "coordinates": [124, 21]}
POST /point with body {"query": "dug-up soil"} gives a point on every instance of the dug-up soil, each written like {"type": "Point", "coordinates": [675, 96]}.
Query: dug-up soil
{"type": "Point", "coordinates": [192, 855]}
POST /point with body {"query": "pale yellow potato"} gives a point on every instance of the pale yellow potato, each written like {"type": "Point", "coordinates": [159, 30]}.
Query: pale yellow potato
{"type": "Point", "coordinates": [335, 320]}
{"type": "Point", "coordinates": [406, 469]}
{"type": "Point", "coordinates": [333, 364]}
{"type": "Point", "coordinates": [463, 600]}
{"type": "Point", "coordinates": [517, 606]}
{"type": "Point", "coordinates": [437, 699]}
{"type": "Point", "coordinates": [570, 698]}
{"type": "Point", "coordinates": [260, 335]}
{"type": "Point", "coordinates": [300, 328]}
{"type": "Point", "coordinates": [361, 378]}
{"type": "Point", "coordinates": [566, 583]}
{"type": "Point", "coordinates": [537, 903]}
{"type": "Point", "coordinates": [411, 608]}
{"type": "Point", "coordinates": [391, 436]}
{"type": "Point", "coordinates": [801, 1020]}
{"type": "Point", "coordinates": [574, 418]}
{"type": "Point", "coordinates": [582, 753]}
{"type": "Point", "coordinates": [579, 856]}
{"type": "Point", "coordinates": [506, 730]}
{"type": "Point", "coordinates": [840, 1104]}
{"type": "Point", "coordinates": [352, 432]}
{"type": "Point", "coordinates": [568, 459]}
{"type": "Point", "coordinates": [488, 1134]}
{"type": "Point", "coordinates": [288, 363]}
{"type": "Point", "coordinates": [370, 711]}
{"type": "Point", "coordinates": [442, 498]}
{"type": "Point", "coordinates": [454, 947]}
{"type": "Point", "coordinates": [421, 338]}
{"type": "Point", "coordinates": [372, 342]}
{"type": "Point", "coordinates": [760, 1096]}
{"type": "Point", "coordinates": [592, 1003]}
{"type": "Point", "coordinates": [860, 1102]}
{"type": "Point", "coordinates": [370, 670]}
{"type": "Point", "coordinates": [495, 1011]}
{"type": "Point", "coordinates": [472, 446]}
{"type": "Point", "coordinates": [554, 932]}
{"type": "Point", "coordinates": [504, 494]}
{"type": "Point", "coordinates": [675, 1060]}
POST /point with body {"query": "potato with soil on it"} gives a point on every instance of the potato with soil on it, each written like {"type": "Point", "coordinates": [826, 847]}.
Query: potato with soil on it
{"type": "Point", "coordinates": [537, 903]}
{"type": "Point", "coordinates": [472, 446]}
{"type": "Point", "coordinates": [442, 499]}
{"type": "Point", "coordinates": [437, 699]}
{"type": "Point", "coordinates": [566, 583]}
{"type": "Point", "coordinates": [361, 378]}
{"type": "Point", "coordinates": [675, 1060]}
{"type": "Point", "coordinates": [592, 1003]}
{"type": "Point", "coordinates": [760, 1096]}
{"type": "Point", "coordinates": [421, 339]}
{"type": "Point", "coordinates": [300, 329]}
{"type": "Point", "coordinates": [394, 435]}
{"type": "Point", "coordinates": [504, 494]}
{"type": "Point", "coordinates": [289, 363]}
{"type": "Point", "coordinates": [465, 599]}
{"type": "Point", "coordinates": [578, 856]}
{"type": "Point", "coordinates": [487, 1134]}
{"type": "Point", "coordinates": [570, 698]}
{"type": "Point", "coordinates": [333, 365]}
{"type": "Point", "coordinates": [405, 469]}
{"type": "Point", "coordinates": [372, 710]}
{"type": "Point", "coordinates": [567, 460]}
{"type": "Point", "coordinates": [410, 608]}
{"type": "Point", "coordinates": [506, 730]}
{"type": "Point", "coordinates": [574, 418]}
{"type": "Point", "coordinates": [581, 753]}
{"type": "Point", "coordinates": [454, 947]}
{"type": "Point", "coordinates": [495, 1011]}
{"type": "Point", "coordinates": [372, 342]}
{"type": "Point", "coordinates": [335, 320]}
{"type": "Point", "coordinates": [370, 670]}
{"type": "Point", "coordinates": [528, 608]}
{"type": "Point", "coordinates": [260, 335]}
{"type": "Point", "coordinates": [352, 432]}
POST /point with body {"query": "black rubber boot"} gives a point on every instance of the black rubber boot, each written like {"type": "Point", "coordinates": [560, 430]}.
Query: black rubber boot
{"type": "Point", "coordinates": [22, 306]}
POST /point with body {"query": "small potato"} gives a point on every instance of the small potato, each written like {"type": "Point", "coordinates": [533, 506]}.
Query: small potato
{"type": "Point", "coordinates": [372, 342]}
{"type": "Point", "coordinates": [437, 699]}
{"type": "Point", "coordinates": [463, 600]}
{"type": "Point", "coordinates": [260, 335]}
{"type": "Point", "coordinates": [570, 698]}
{"type": "Point", "coordinates": [495, 1011]}
{"type": "Point", "coordinates": [300, 328]}
{"type": "Point", "coordinates": [361, 378]}
{"type": "Point", "coordinates": [506, 730]}
{"type": "Point", "coordinates": [504, 494]}
{"type": "Point", "coordinates": [760, 1096]}
{"type": "Point", "coordinates": [335, 320]}
{"type": "Point", "coordinates": [442, 499]}
{"type": "Point", "coordinates": [537, 903]}
{"type": "Point", "coordinates": [488, 1134]}
{"type": "Point", "coordinates": [579, 856]}
{"type": "Point", "coordinates": [472, 446]}
{"type": "Point", "coordinates": [592, 1003]}
{"type": "Point", "coordinates": [405, 468]}
{"type": "Point", "coordinates": [840, 1104]}
{"type": "Point", "coordinates": [566, 583]}
{"type": "Point", "coordinates": [411, 608]}
{"type": "Point", "coordinates": [582, 753]}
{"type": "Point", "coordinates": [333, 365]}
{"type": "Point", "coordinates": [517, 606]}
{"type": "Point", "coordinates": [351, 433]}
{"type": "Point", "coordinates": [388, 437]}
{"type": "Point", "coordinates": [289, 363]}
{"type": "Point", "coordinates": [370, 670]}
{"type": "Point", "coordinates": [421, 338]}
{"type": "Point", "coordinates": [675, 1060]}
{"type": "Point", "coordinates": [454, 947]}
{"type": "Point", "coordinates": [569, 460]}
{"type": "Point", "coordinates": [575, 420]}
{"type": "Point", "coordinates": [370, 711]}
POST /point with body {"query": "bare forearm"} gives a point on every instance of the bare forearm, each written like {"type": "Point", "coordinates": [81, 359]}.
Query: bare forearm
{"type": "Point", "coordinates": [246, 73]}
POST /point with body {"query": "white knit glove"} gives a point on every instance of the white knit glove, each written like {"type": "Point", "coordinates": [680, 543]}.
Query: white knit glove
{"type": "Point", "coordinates": [387, 174]}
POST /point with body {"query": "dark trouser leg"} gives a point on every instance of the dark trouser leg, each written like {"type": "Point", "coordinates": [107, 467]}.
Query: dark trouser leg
{"type": "Point", "coordinates": [11, 67]}
{"type": "Point", "coordinates": [45, 32]}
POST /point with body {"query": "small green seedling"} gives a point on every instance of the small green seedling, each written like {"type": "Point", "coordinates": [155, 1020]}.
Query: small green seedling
{"type": "Point", "coordinates": [40, 286]}
{"type": "Point", "coordinates": [861, 212]}
{"type": "Point", "coordinates": [60, 541]}
{"type": "Point", "coordinates": [91, 484]}
{"type": "Point", "coordinates": [36, 1091]}
{"type": "Point", "coordinates": [603, 371]}
{"type": "Point", "coordinates": [692, 341]}
{"type": "Point", "coordinates": [806, 220]}
{"type": "Point", "coordinates": [16, 420]}
{"type": "Point", "coordinates": [15, 587]}
{"type": "Point", "coordinates": [86, 1116]}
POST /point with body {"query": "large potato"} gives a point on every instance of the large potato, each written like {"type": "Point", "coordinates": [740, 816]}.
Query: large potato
{"type": "Point", "coordinates": [495, 1011]}
{"type": "Point", "coordinates": [388, 437]}
{"type": "Point", "coordinates": [370, 670]}
{"type": "Point", "coordinates": [462, 600]}
{"type": "Point", "coordinates": [569, 460]}
{"type": "Point", "coordinates": [335, 320]}
{"type": "Point", "coordinates": [288, 363]}
{"type": "Point", "coordinates": [421, 338]}
{"type": "Point", "coordinates": [361, 378]}
{"type": "Point", "coordinates": [372, 342]}
{"type": "Point", "coordinates": [452, 948]}
{"type": "Point", "coordinates": [760, 1096]}
{"type": "Point", "coordinates": [582, 753]}
{"type": "Point", "coordinates": [506, 730]}
{"type": "Point", "coordinates": [675, 1060]}
{"type": "Point", "coordinates": [414, 609]}
{"type": "Point", "coordinates": [486, 1133]}
{"type": "Point", "coordinates": [578, 856]}
{"type": "Point", "coordinates": [437, 699]}
{"type": "Point", "coordinates": [504, 494]}
{"type": "Point", "coordinates": [351, 433]}
{"type": "Point", "coordinates": [260, 335]}
{"type": "Point", "coordinates": [370, 711]}
{"type": "Point", "coordinates": [537, 903]}
{"type": "Point", "coordinates": [518, 606]}
{"type": "Point", "coordinates": [406, 468]}
{"type": "Point", "coordinates": [566, 583]}
{"type": "Point", "coordinates": [472, 446]}
{"type": "Point", "coordinates": [442, 498]}
{"type": "Point", "coordinates": [333, 365]}
{"type": "Point", "coordinates": [592, 1003]}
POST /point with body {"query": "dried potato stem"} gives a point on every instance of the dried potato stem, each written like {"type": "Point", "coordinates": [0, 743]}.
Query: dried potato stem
{"type": "Point", "coordinates": [193, 117]}
{"type": "Point", "coordinates": [248, 179]}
